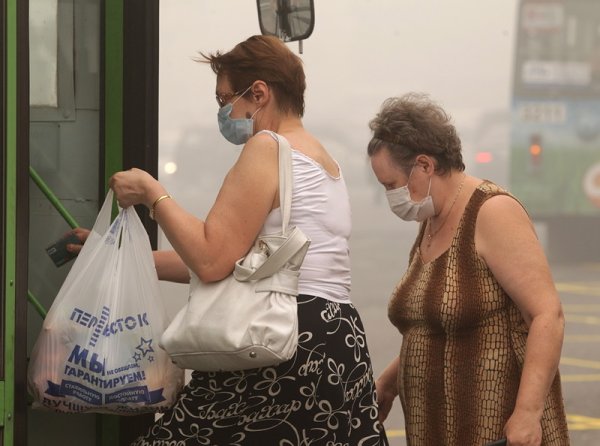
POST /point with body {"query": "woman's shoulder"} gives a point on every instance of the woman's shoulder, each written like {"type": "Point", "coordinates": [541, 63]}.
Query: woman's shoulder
{"type": "Point", "coordinates": [493, 195]}
{"type": "Point", "coordinates": [491, 189]}
{"type": "Point", "coordinates": [264, 137]}
{"type": "Point", "coordinates": [489, 195]}
{"type": "Point", "coordinates": [500, 209]}
{"type": "Point", "coordinates": [258, 155]}
{"type": "Point", "coordinates": [257, 144]}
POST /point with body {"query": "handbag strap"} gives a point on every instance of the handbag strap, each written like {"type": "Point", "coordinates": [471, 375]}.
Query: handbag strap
{"type": "Point", "coordinates": [295, 242]}
{"type": "Point", "coordinates": [286, 180]}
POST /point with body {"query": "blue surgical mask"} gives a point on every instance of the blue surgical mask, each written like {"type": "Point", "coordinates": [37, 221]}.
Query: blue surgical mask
{"type": "Point", "coordinates": [236, 131]}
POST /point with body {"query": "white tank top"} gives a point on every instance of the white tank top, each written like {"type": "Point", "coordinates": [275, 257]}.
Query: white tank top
{"type": "Point", "coordinates": [321, 209]}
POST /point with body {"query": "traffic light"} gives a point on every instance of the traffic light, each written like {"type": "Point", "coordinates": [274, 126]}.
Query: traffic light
{"type": "Point", "coordinates": [535, 152]}
{"type": "Point", "coordinates": [484, 157]}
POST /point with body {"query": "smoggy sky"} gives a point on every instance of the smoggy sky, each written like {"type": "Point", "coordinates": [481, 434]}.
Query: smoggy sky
{"type": "Point", "coordinates": [360, 53]}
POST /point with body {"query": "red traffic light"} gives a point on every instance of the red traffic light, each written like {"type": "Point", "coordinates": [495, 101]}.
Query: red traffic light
{"type": "Point", "coordinates": [535, 150]}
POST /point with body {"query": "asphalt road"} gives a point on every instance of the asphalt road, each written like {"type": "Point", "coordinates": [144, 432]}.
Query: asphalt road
{"type": "Point", "coordinates": [375, 274]}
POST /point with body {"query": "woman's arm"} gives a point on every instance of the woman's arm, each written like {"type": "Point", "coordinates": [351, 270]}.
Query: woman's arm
{"type": "Point", "coordinates": [387, 388]}
{"type": "Point", "coordinates": [506, 240]}
{"type": "Point", "coordinates": [210, 248]}
{"type": "Point", "coordinates": [170, 267]}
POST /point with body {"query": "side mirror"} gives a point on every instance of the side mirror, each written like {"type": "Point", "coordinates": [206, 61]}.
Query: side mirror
{"type": "Point", "coordinates": [287, 19]}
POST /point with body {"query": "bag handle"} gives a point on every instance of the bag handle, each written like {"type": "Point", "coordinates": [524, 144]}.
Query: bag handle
{"type": "Point", "coordinates": [286, 180]}
{"type": "Point", "coordinates": [104, 216]}
{"type": "Point", "coordinates": [294, 243]}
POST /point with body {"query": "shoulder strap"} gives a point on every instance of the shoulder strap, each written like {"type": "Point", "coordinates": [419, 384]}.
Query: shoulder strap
{"type": "Point", "coordinates": [285, 177]}
{"type": "Point", "coordinates": [296, 239]}
{"type": "Point", "coordinates": [285, 181]}
{"type": "Point", "coordinates": [294, 244]}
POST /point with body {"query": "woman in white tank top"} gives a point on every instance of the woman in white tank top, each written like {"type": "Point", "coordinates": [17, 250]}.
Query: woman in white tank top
{"type": "Point", "coordinates": [326, 393]}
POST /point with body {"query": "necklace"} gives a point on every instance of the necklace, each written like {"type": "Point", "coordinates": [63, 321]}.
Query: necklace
{"type": "Point", "coordinates": [431, 233]}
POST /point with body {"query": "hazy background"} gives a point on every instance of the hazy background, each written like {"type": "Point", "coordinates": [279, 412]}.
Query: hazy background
{"type": "Point", "coordinates": [360, 53]}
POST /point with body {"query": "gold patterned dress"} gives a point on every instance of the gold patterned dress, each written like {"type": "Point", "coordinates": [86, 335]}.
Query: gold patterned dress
{"type": "Point", "coordinates": [463, 346]}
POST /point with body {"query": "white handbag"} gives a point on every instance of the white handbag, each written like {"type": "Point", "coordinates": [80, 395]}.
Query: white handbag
{"type": "Point", "coordinates": [248, 319]}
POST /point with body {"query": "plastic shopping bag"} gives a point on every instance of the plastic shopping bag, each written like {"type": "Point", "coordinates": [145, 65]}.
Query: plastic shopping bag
{"type": "Point", "coordinates": [98, 348]}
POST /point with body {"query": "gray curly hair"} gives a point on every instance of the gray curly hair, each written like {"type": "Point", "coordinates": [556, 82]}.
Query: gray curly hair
{"type": "Point", "coordinates": [411, 125]}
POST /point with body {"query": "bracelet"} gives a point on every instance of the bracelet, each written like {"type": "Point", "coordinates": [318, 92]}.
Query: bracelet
{"type": "Point", "coordinates": [158, 200]}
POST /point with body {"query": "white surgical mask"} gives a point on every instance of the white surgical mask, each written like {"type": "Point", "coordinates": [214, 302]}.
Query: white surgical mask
{"type": "Point", "coordinates": [404, 207]}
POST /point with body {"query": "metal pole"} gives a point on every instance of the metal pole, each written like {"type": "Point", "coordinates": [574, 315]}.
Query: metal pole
{"type": "Point", "coordinates": [65, 214]}
{"type": "Point", "coordinates": [36, 304]}
{"type": "Point", "coordinates": [52, 198]}
{"type": "Point", "coordinates": [9, 188]}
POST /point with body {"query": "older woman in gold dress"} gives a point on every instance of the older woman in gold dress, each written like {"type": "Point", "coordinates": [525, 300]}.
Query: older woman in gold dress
{"type": "Point", "coordinates": [481, 322]}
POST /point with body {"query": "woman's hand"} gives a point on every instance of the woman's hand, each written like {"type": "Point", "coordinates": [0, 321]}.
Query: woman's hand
{"type": "Point", "coordinates": [82, 234]}
{"type": "Point", "coordinates": [386, 395]}
{"type": "Point", "coordinates": [387, 389]}
{"type": "Point", "coordinates": [135, 186]}
{"type": "Point", "coordinates": [523, 430]}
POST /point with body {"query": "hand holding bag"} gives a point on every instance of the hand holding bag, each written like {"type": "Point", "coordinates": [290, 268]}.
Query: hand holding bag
{"type": "Point", "coordinates": [248, 319]}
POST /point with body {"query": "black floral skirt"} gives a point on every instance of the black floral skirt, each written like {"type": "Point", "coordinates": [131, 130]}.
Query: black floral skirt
{"type": "Point", "coordinates": [324, 395]}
